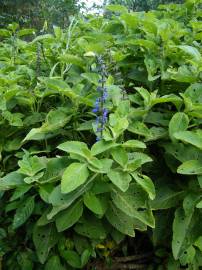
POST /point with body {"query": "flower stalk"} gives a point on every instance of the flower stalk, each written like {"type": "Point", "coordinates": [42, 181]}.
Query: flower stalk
{"type": "Point", "coordinates": [100, 103]}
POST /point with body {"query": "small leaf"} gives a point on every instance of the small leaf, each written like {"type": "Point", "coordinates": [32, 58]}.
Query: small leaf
{"type": "Point", "coordinates": [74, 176]}
{"type": "Point", "coordinates": [134, 144]}
{"type": "Point", "coordinates": [102, 146]}
{"type": "Point", "coordinates": [31, 165]}
{"type": "Point", "coordinates": [120, 179]}
{"type": "Point", "coordinates": [105, 168]}
{"type": "Point", "coordinates": [146, 183]}
{"type": "Point", "coordinates": [75, 147]}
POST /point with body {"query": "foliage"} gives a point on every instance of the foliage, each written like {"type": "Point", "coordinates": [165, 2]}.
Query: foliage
{"type": "Point", "coordinates": [139, 5]}
{"type": "Point", "coordinates": [64, 196]}
{"type": "Point", "coordinates": [33, 13]}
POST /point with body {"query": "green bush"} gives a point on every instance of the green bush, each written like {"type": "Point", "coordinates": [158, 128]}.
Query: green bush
{"type": "Point", "coordinates": [133, 83]}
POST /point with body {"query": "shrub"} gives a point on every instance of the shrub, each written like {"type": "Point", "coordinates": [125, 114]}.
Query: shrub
{"type": "Point", "coordinates": [101, 137]}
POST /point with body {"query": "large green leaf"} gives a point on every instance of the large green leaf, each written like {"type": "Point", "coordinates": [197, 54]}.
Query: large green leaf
{"type": "Point", "coordinates": [185, 231]}
{"type": "Point", "coordinates": [75, 147]}
{"type": "Point", "coordinates": [74, 176]}
{"type": "Point", "coordinates": [44, 238]}
{"type": "Point", "coordinates": [134, 203]}
{"type": "Point", "coordinates": [72, 258]}
{"type": "Point", "coordinates": [23, 212]}
{"type": "Point", "coordinates": [11, 180]}
{"type": "Point", "coordinates": [189, 137]}
{"type": "Point", "coordinates": [69, 217]}
{"type": "Point", "coordinates": [179, 122]}
{"type": "Point", "coordinates": [190, 167]}
{"type": "Point", "coordinates": [120, 220]}
{"type": "Point", "coordinates": [54, 263]}
{"type": "Point", "coordinates": [91, 228]}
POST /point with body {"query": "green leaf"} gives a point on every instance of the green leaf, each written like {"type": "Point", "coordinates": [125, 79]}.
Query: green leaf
{"type": "Point", "coordinates": [120, 179]}
{"type": "Point", "coordinates": [23, 212]}
{"type": "Point", "coordinates": [117, 8]}
{"type": "Point", "coordinates": [54, 263]}
{"type": "Point", "coordinates": [190, 167]}
{"type": "Point", "coordinates": [139, 128]}
{"type": "Point", "coordinates": [69, 217]}
{"type": "Point", "coordinates": [63, 201]}
{"type": "Point", "coordinates": [190, 50]}
{"type": "Point", "coordinates": [5, 33]}
{"type": "Point", "coordinates": [188, 256]}
{"type": "Point", "coordinates": [25, 32]}
{"type": "Point", "coordinates": [54, 169]}
{"type": "Point", "coordinates": [72, 258]}
{"type": "Point", "coordinates": [185, 231]}
{"type": "Point", "coordinates": [120, 156]}
{"type": "Point", "coordinates": [91, 228]}
{"type": "Point", "coordinates": [43, 37]}
{"type": "Point", "coordinates": [190, 202]}
{"type": "Point", "coordinates": [91, 77]}
{"type": "Point", "coordinates": [44, 238]}
{"type": "Point", "coordinates": [134, 203]}
{"type": "Point", "coordinates": [11, 180]}
{"type": "Point", "coordinates": [75, 147]}
{"type": "Point", "coordinates": [120, 220]}
{"type": "Point", "coordinates": [105, 163]}
{"type": "Point", "coordinates": [74, 176]}
{"type": "Point", "coordinates": [199, 205]}
{"type": "Point", "coordinates": [102, 146]}
{"type": "Point", "coordinates": [198, 243]}
{"type": "Point", "coordinates": [31, 165]}
{"type": "Point", "coordinates": [134, 144]}
{"type": "Point", "coordinates": [179, 122]}
{"type": "Point", "coordinates": [19, 192]}
{"type": "Point", "coordinates": [189, 137]}
{"type": "Point", "coordinates": [146, 183]}
{"type": "Point", "coordinates": [85, 256]}
{"type": "Point", "coordinates": [95, 204]}
{"type": "Point", "coordinates": [165, 196]}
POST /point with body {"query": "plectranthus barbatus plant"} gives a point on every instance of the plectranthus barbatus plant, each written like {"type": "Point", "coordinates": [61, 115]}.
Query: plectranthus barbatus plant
{"type": "Point", "coordinates": [100, 104]}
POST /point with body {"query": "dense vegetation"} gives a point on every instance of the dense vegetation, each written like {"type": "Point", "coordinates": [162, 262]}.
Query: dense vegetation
{"type": "Point", "coordinates": [101, 142]}
{"type": "Point", "coordinates": [33, 13]}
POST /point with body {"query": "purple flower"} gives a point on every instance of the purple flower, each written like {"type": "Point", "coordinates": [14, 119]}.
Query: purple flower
{"type": "Point", "coordinates": [99, 107]}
